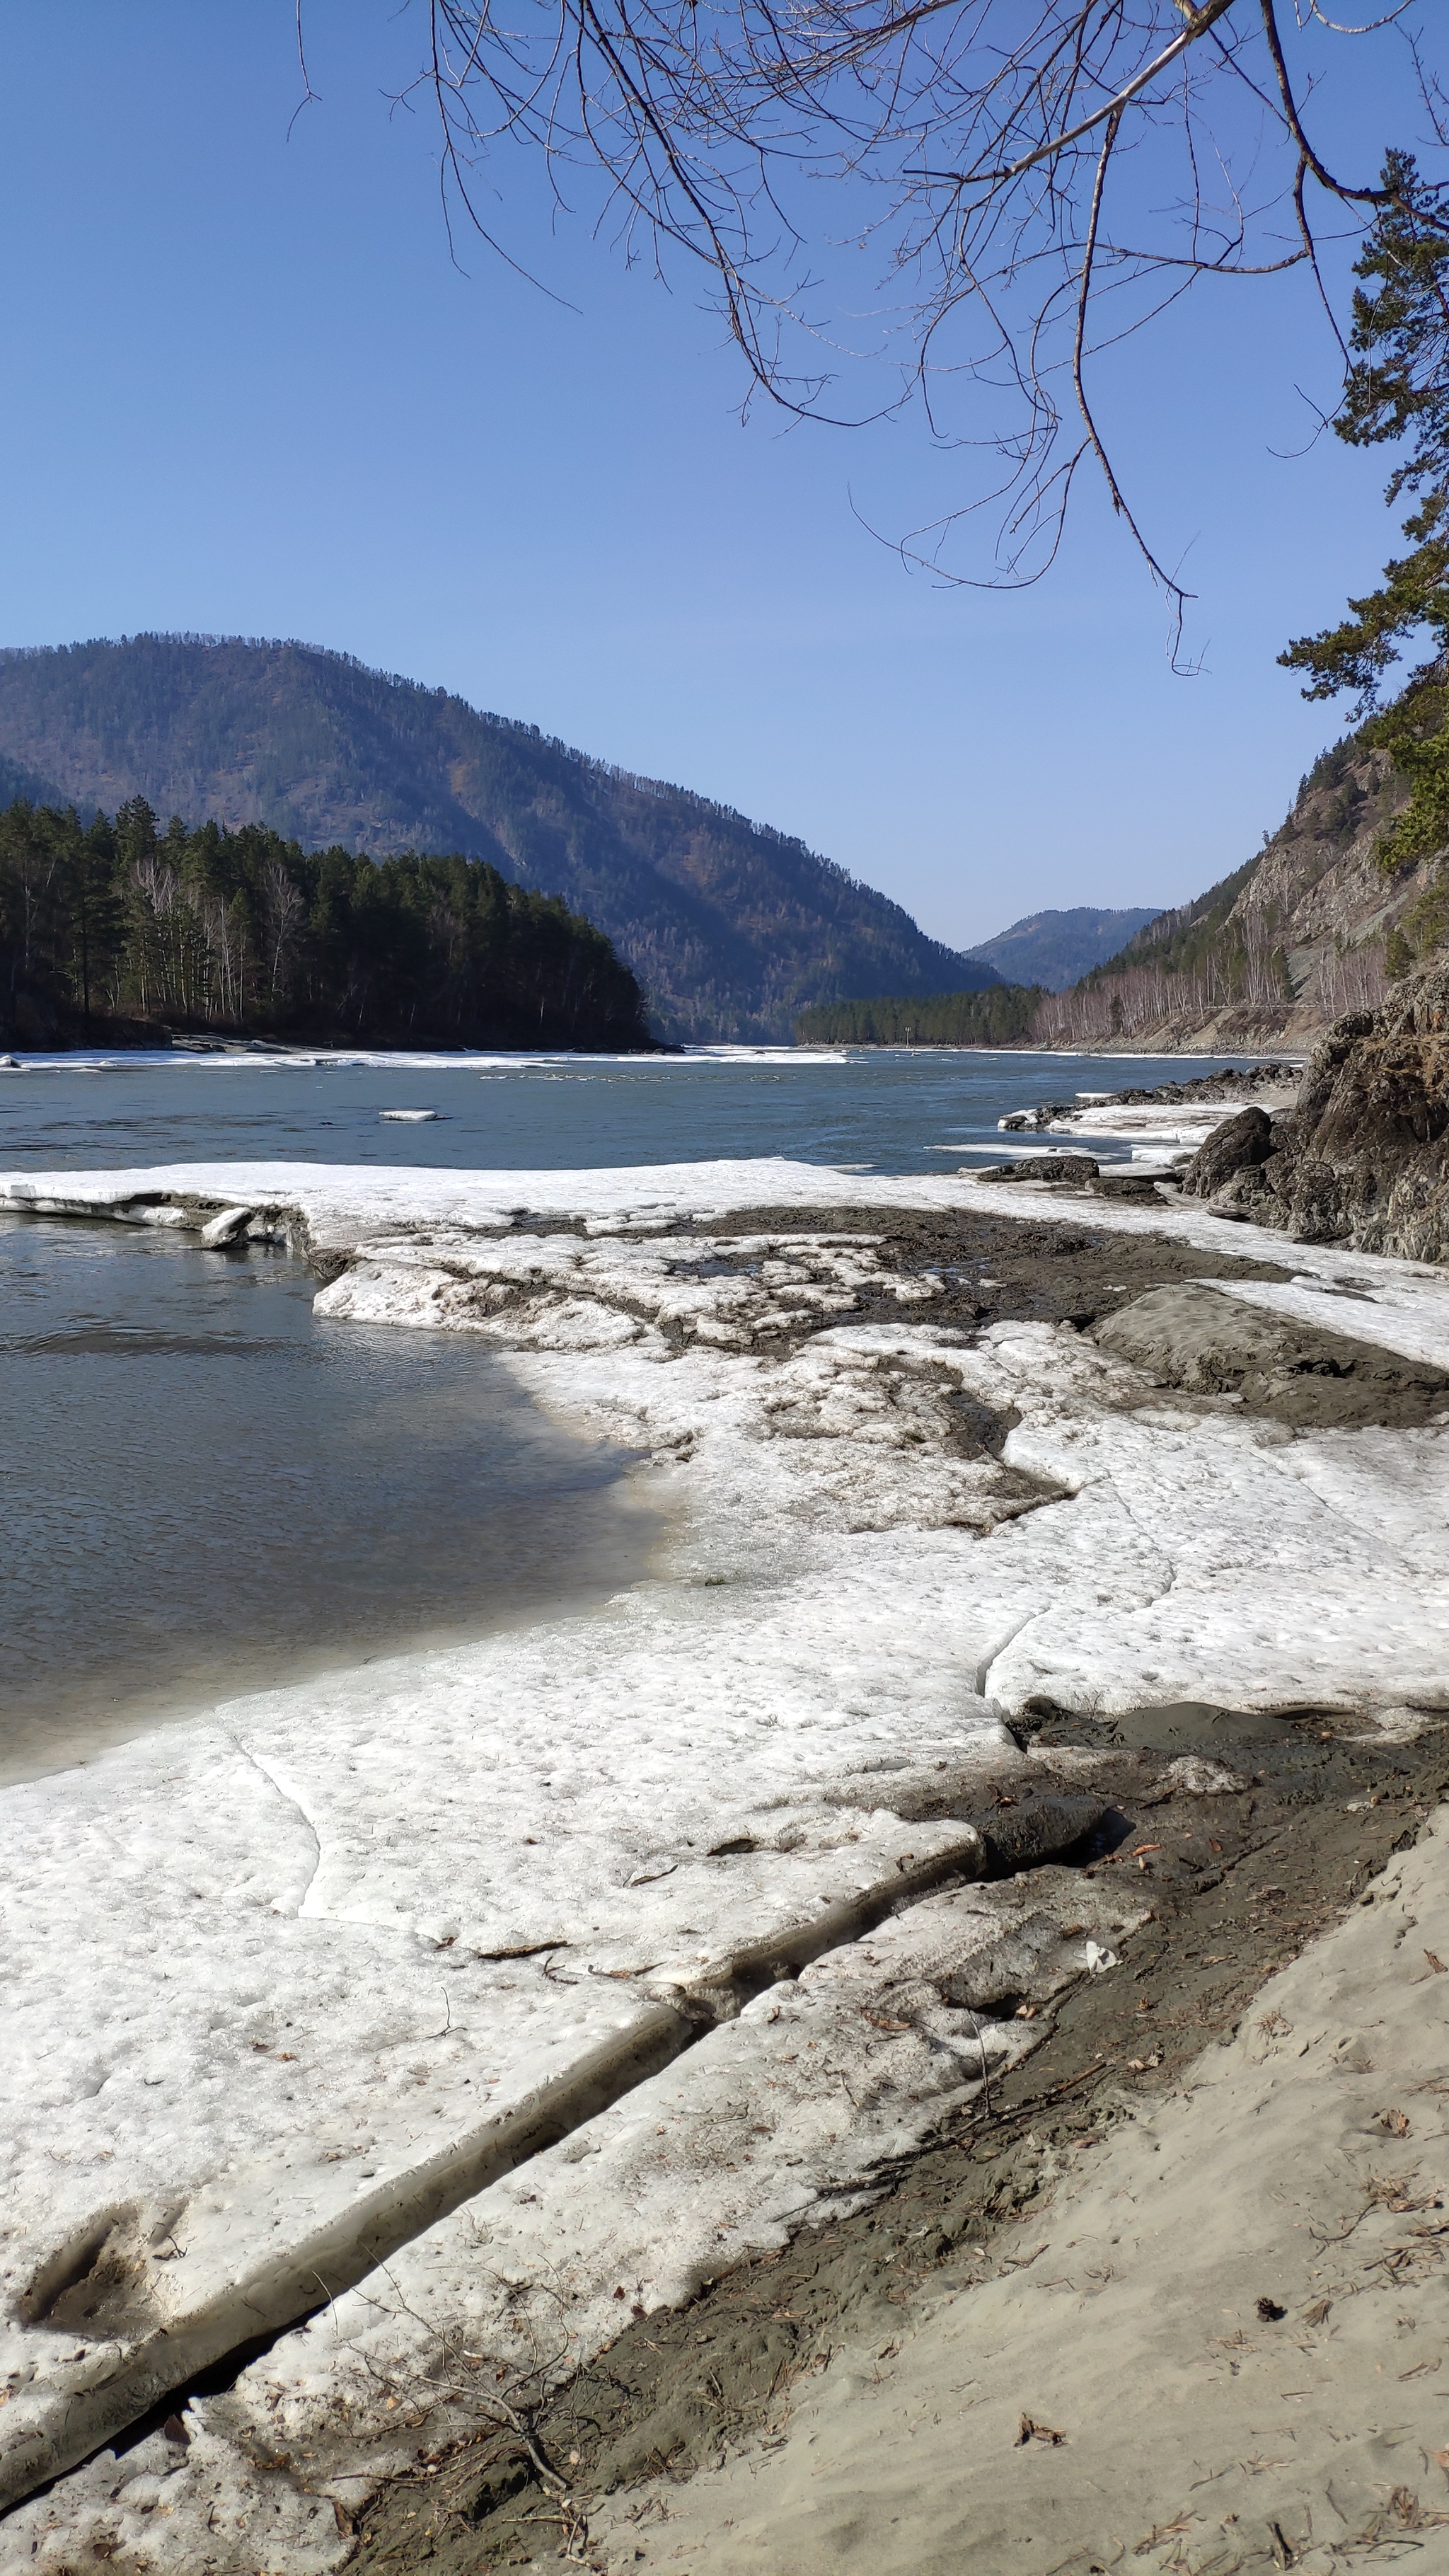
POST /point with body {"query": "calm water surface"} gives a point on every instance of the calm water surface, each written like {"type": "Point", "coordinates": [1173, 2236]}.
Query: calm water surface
{"type": "Point", "coordinates": [209, 1490]}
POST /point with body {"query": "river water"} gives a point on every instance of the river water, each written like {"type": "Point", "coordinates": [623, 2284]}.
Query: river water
{"type": "Point", "coordinates": [209, 1490]}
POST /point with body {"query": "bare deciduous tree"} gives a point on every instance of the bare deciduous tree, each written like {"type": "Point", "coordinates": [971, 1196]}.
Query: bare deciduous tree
{"type": "Point", "coordinates": [994, 190]}
{"type": "Point", "coordinates": [284, 909]}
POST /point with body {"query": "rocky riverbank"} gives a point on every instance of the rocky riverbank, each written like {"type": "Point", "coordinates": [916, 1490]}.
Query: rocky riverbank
{"type": "Point", "coordinates": [1201, 1094]}
{"type": "Point", "coordinates": [440, 2023]}
{"type": "Point", "coordinates": [1362, 1156]}
{"type": "Point", "coordinates": [1354, 1150]}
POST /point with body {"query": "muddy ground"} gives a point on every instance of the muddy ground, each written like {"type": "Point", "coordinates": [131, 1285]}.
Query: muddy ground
{"type": "Point", "coordinates": [1051, 1270]}
{"type": "Point", "coordinates": [1238, 1882]}
{"type": "Point", "coordinates": [1067, 1271]}
{"type": "Point", "coordinates": [1238, 1878]}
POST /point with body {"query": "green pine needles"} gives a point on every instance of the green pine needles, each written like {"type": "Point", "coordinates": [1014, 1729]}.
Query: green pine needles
{"type": "Point", "coordinates": [1397, 389]}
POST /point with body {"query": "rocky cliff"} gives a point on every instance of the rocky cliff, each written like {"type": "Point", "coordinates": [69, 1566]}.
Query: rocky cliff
{"type": "Point", "coordinates": [1363, 1155]}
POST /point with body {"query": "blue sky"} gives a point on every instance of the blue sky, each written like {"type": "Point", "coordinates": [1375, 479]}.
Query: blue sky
{"type": "Point", "coordinates": [247, 392]}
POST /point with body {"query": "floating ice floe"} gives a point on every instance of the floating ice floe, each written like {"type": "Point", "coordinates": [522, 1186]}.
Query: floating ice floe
{"type": "Point", "coordinates": [374, 1997]}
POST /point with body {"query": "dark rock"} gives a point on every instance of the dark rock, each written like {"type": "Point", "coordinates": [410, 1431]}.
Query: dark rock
{"type": "Point", "coordinates": [1036, 1829]}
{"type": "Point", "coordinates": [1229, 1085]}
{"type": "Point", "coordinates": [1238, 1145]}
{"type": "Point", "coordinates": [1140, 1187]}
{"type": "Point", "coordinates": [1054, 1169]}
{"type": "Point", "coordinates": [1033, 1120]}
{"type": "Point", "coordinates": [1194, 1337]}
{"type": "Point", "coordinates": [1363, 1156]}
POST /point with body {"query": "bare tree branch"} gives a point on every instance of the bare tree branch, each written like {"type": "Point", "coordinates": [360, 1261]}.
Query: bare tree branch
{"type": "Point", "coordinates": [309, 96]}
{"type": "Point", "coordinates": [935, 171]}
{"type": "Point", "coordinates": [1199, 21]}
{"type": "Point", "coordinates": [1335, 187]}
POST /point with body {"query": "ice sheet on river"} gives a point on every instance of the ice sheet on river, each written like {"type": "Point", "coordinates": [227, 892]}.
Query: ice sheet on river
{"type": "Point", "coordinates": [280, 1983]}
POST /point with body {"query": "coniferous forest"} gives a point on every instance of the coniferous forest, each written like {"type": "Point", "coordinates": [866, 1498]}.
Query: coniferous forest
{"type": "Point", "coordinates": [1001, 1017]}
{"type": "Point", "coordinates": [120, 930]}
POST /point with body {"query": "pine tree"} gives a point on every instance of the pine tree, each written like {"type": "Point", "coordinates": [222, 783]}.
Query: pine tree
{"type": "Point", "coordinates": [1398, 389]}
{"type": "Point", "coordinates": [97, 916]}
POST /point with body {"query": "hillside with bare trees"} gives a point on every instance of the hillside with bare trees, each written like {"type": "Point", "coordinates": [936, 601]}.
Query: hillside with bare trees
{"type": "Point", "coordinates": [1308, 929]}
{"type": "Point", "coordinates": [1320, 922]}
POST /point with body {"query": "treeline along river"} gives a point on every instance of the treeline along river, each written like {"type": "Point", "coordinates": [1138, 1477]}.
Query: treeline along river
{"type": "Point", "coordinates": [117, 927]}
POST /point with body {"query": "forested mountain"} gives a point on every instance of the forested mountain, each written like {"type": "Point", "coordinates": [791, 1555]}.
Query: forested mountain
{"type": "Point", "coordinates": [1054, 948]}
{"type": "Point", "coordinates": [119, 930]}
{"type": "Point", "coordinates": [16, 780]}
{"type": "Point", "coordinates": [730, 927]}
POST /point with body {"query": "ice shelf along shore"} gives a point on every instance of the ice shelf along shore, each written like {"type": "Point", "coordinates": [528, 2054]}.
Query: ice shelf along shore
{"type": "Point", "coordinates": [429, 2010]}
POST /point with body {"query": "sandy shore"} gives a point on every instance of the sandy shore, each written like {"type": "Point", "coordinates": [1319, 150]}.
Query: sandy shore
{"type": "Point", "coordinates": [725, 1945]}
{"type": "Point", "coordinates": [996, 2279]}
{"type": "Point", "coordinates": [1221, 2345]}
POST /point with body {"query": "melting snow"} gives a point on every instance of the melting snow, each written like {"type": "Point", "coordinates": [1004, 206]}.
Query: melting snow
{"type": "Point", "coordinates": [292, 1986]}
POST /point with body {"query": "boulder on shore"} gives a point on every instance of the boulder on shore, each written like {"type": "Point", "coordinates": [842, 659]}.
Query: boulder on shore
{"type": "Point", "coordinates": [1058, 1169]}
{"type": "Point", "coordinates": [1238, 1145]}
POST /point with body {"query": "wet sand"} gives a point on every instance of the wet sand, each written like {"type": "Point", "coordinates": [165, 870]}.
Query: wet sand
{"type": "Point", "coordinates": [1240, 1881]}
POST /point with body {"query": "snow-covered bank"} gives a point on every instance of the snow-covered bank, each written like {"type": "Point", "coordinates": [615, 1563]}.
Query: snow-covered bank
{"type": "Point", "coordinates": [262, 1051]}
{"type": "Point", "coordinates": [1161, 1125]}
{"type": "Point", "coordinates": [273, 1978]}
{"type": "Point", "coordinates": [1165, 1124]}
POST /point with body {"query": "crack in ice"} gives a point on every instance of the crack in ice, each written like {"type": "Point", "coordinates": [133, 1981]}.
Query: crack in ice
{"type": "Point", "coordinates": [988, 1664]}
{"type": "Point", "coordinates": [311, 1902]}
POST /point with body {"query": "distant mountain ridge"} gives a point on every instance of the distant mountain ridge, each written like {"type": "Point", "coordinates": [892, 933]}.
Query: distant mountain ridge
{"type": "Point", "coordinates": [1054, 949]}
{"type": "Point", "coordinates": [731, 928]}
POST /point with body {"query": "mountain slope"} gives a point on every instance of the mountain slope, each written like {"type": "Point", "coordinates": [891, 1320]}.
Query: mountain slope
{"type": "Point", "coordinates": [17, 780]}
{"type": "Point", "coordinates": [1308, 928]}
{"type": "Point", "coordinates": [730, 927]}
{"type": "Point", "coordinates": [1054, 949]}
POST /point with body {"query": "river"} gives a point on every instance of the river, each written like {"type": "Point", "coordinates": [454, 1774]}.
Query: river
{"type": "Point", "coordinates": [210, 1489]}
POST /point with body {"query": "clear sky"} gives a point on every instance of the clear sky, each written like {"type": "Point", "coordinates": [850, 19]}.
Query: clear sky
{"type": "Point", "coordinates": [247, 392]}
